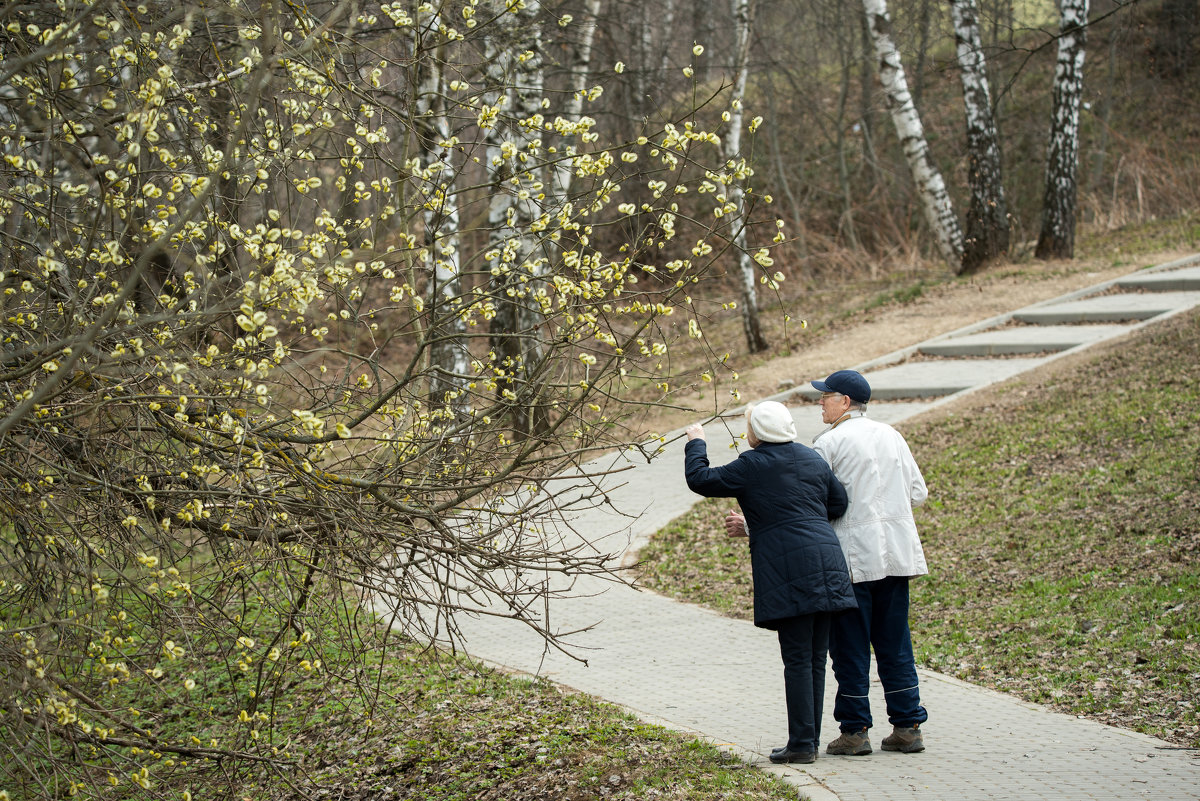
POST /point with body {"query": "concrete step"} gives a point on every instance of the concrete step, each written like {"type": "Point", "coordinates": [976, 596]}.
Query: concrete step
{"type": "Point", "coordinates": [1022, 339]}
{"type": "Point", "coordinates": [1109, 308]}
{"type": "Point", "coordinates": [1186, 279]}
{"type": "Point", "coordinates": [935, 379]}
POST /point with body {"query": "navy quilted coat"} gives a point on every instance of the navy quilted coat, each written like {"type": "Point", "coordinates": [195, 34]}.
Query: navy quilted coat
{"type": "Point", "coordinates": [788, 494]}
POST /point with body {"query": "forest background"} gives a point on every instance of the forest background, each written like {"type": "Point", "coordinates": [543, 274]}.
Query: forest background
{"type": "Point", "coordinates": [302, 304]}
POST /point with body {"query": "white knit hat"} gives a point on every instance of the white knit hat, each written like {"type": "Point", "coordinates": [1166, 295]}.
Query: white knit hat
{"type": "Point", "coordinates": [772, 422]}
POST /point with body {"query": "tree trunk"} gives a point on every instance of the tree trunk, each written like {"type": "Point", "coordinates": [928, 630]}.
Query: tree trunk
{"type": "Point", "coordinates": [581, 65]}
{"type": "Point", "coordinates": [867, 108]}
{"type": "Point", "coordinates": [449, 357]}
{"type": "Point", "coordinates": [781, 175]}
{"type": "Point", "coordinates": [1100, 150]}
{"type": "Point", "coordinates": [923, 22]}
{"type": "Point", "coordinates": [1174, 46]}
{"type": "Point", "coordinates": [1057, 238]}
{"type": "Point", "coordinates": [743, 16]}
{"type": "Point", "coordinates": [642, 80]}
{"type": "Point", "coordinates": [704, 32]}
{"type": "Point", "coordinates": [939, 212]}
{"type": "Point", "coordinates": [667, 15]}
{"type": "Point", "coordinates": [518, 270]}
{"type": "Point", "coordinates": [848, 59]}
{"type": "Point", "coordinates": [987, 217]}
{"type": "Point", "coordinates": [846, 219]}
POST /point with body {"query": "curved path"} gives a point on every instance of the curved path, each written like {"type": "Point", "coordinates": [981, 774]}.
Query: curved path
{"type": "Point", "coordinates": [721, 679]}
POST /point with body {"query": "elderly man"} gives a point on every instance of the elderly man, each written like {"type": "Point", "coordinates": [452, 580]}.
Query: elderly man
{"type": "Point", "coordinates": [879, 538]}
{"type": "Point", "coordinates": [883, 551]}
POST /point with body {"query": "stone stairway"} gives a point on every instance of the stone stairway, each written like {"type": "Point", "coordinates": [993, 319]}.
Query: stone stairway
{"type": "Point", "coordinates": [1004, 346]}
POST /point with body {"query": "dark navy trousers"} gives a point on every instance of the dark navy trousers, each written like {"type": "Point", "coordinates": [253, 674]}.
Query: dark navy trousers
{"type": "Point", "coordinates": [879, 623]}
{"type": "Point", "coordinates": [804, 645]}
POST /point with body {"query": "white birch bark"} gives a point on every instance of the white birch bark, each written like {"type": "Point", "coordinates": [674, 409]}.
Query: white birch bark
{"type": "Point", "coordinates": [935, 200]}
{"type": "Point", "coordinates": [739, 170]}
{"type": "Point", "coordinates": [1057, 237]}
{"type": "Point", "coordinates": [562, 171]}
{"type": "Point", "coordinates": [532, 181]}
{"type": "Point", "coordinates": [450, 358]}
{"type": "Point", "coordinates": [987, 226]}
{"type": "Point", "coordinates": [515, 79]}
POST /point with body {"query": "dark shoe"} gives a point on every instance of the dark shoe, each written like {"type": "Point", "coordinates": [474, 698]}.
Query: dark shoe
{"type": "Point", "coordinates": [850, 743]}
{"type": "Point", "coordinates": [781, 755]}
{"type": "Point", "coordinates": [905, 739]}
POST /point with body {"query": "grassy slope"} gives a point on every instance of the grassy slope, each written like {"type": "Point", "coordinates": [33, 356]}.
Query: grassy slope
{"type": "Point", "coordinates": [1063, 533]}
{"type": "Point", "coordinates": [1065, 527]}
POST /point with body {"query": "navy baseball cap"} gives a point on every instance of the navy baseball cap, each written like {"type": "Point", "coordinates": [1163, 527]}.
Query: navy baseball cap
{"type": "Point", "coordinates": [846, 382]}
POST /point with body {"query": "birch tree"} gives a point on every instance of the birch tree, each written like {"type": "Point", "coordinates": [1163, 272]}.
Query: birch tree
{"type": "Point", "coordinates": [1056, 239]}
{"type": "Point", "coordinates": [738, 171]}
{"type": "Point", "coordinates": [435, 177]}
{"type": "Point", "coordinates": [562, 170]}
{"type": "Point", "coordinates": [931, 188]}
{"type": "Point", "coordinates": [987, 224]}
{"type": "Point", "coordinates": [515, 80]}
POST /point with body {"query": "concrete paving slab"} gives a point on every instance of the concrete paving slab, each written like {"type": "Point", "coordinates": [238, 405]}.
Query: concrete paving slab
{"type": "Point", "coordinates": [1023, 339]}
{"type": "Point", "coordinates": [1184, 279]}
{"type": "Point", "coordinates": [692, 670]}
{"type": "Point", "coordinates": [1109, 308]}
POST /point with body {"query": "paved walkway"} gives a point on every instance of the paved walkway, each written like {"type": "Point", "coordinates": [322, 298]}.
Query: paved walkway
{"type": "Point", "coordinates": [691, 669]}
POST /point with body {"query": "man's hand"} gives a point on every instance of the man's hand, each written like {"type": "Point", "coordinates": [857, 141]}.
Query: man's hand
{"type": "Point", "coordinates": [735, 524]}
{"type": "Point", "coordinates": [694, 431]}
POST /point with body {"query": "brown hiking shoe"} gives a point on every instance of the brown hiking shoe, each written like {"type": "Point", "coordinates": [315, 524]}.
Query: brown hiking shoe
{"type": "Point", "coordinates": [850, 743]}
{"type": "Point", "coordinates": [905, 739]}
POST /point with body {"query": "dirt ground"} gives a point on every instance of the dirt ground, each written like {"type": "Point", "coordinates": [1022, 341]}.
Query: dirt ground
{"type": "Point", "coordinates": [856, 338]}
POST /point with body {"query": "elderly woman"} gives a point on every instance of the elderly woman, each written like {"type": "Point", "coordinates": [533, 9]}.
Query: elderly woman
{"type": "Point", "coordinates": [788, 495]}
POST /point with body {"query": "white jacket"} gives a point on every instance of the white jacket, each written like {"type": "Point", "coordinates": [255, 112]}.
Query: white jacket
{"type": "Point", "coordinates": [874, 464]}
